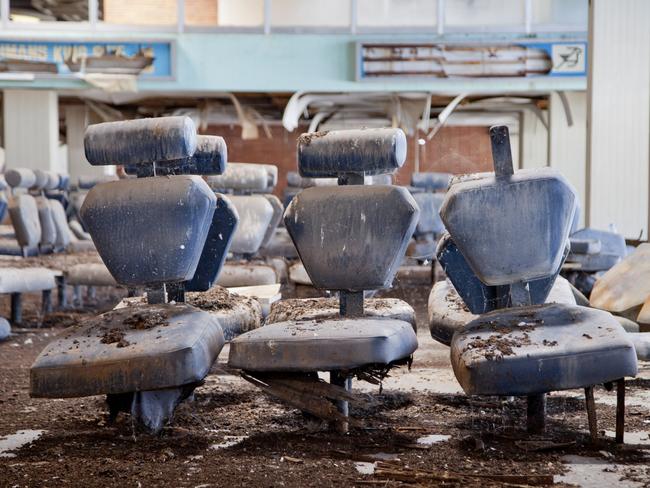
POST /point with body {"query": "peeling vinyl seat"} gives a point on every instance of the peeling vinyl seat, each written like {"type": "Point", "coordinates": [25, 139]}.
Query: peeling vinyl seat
{"type": "Point", "coordinates": [279, 245]}
{"type": "Point", "coordinates": [259, 215]}
{"type": "Point", "coordinates": [596, 250]}
{"type": "Point", "coordinates": [16, 281]}
{"type": "Point", "coordinates": [448, 313]}
{"type": "Point", "coordinates": [151, 232]}
{"type": "Point", "coordinates": [235, 314]}
{"type": "Point", "coordinates": [431, 180]}
{"type": "Point", "coordinates": [423, 247]}
{"type": "Point", "coordinates": [138, 348]}
{"type": "Point", "coordinates": [322, 345]}
{"type": "Point", "coordinates": [305, 309]}
{"type": "Point", "coordinates": [350, 238]}
{"type": "Point", "coordinates": [562, 347]}
{"type": "Point", "coordinates": [503, 267]}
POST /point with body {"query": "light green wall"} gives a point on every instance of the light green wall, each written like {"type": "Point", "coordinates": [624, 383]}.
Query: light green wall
{"type": "Point", "coordinates": [214, 62]}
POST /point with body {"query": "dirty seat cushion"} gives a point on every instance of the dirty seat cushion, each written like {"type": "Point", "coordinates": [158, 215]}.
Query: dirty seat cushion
{"type": "Point", "coordinates": [539, 349]}
{"type": "Point", "coordinates": [448, 313]}
{"type": "Point", "coordinates": [24, 280]}
{"type": "Point", "coordinates": [328, 308]}
{"type": "Point", "coordinates": [243, 274]}
{"type": "Point", "coordinates": [90, 275]}
{"type": "Point", "coordinates": [138, 348]}
{"type": "Point", "coordinates": [323, 345]}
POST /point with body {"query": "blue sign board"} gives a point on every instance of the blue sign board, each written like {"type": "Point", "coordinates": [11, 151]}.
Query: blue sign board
{"type": "Point", "coordinates": [381, 60]}
{"type": "Point", "coordinates": [146, 59]}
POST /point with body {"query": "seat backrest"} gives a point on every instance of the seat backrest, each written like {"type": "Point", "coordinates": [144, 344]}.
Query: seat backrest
{"type": "Point", "coordinates": [431, 181]}
{"type": "Point", "coordinates": [151, 231]}
{"type": "Point", "coordinates": [351, 237]}
{"type": "Point", "coordinates": [23, 209]}
{"type": "Point", "coordinates": [245, 178]}
{"type": "Point", "coordinates": [510, 227]}
{"type": "Point", "coordinates": [255, 217]}
{"type": "Point", "coordinates": [429, 221]}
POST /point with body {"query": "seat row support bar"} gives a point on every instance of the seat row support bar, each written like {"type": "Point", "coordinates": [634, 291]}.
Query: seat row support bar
{"type": "Point", "coordinates": [536, 413]}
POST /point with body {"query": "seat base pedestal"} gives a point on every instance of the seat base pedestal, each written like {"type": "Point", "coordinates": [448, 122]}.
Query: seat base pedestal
{"type": "Point", "coordinates": [150, 410]}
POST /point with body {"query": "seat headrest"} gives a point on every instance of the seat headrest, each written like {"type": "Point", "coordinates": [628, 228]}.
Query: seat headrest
{"type": "Point", "coordinates": [510, 226]}
{"type": "Point", "coordinates": [141, 141]}
{"type": "Point", "coordinates": [46, 180]}
{"type": "Point", "coordinates": [86, 182]}
{"type": "Point", "coordinates": [431, 181]}
{"type": "Point", "coordinates": [360, 151]}
{"type": "Point", "coordinates": [150, 231]}
{"type": "Point", "coordinates": [20, 178]}
{"type": "Point", "coordinates": [295, 180]}
{"type": "Point", "coordinates": [210, 158]}
{"type": "Point", "coordinates": [245, 176]}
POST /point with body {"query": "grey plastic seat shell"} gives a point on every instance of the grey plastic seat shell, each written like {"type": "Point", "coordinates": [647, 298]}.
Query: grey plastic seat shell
{"type": "Point", "coordinates": [552, 347]}
{"type": "Point", "coordinates": [150, 230]}
{"type": "Point", "coordinates": [431, 181]}
{"type": "Point", "coordinates": [179, 352]}
{"type": "Point", "coordinates": [536, 205]}
{"type": "Point", "coordinates": [366, 151]}
{"type": "Point", "coordinates": [352, 237]}
{"type": "Point", "coordinates": [255, 215]}
{"type": "Point", "coordinates": [23, 211]}
{"type": "Point", "coordinates": [46, 219]}
{"type": "Point", "coordinates": [217, 243]}
{"type": "Point", "coordinates": [278, 212]}
{"type": "Point", "coordinates": [328, 345]}
{"type": "Point", "coordinates": [429, 204]}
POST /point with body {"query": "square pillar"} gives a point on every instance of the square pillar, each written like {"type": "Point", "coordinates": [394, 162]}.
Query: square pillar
{"type": "Point", "coordinates": [618, 134]}
{"type": "Point", "coordinates": [31, 129]}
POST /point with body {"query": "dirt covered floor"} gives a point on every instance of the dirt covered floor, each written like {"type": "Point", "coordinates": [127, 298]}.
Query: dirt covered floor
{"type": "Point", "coordinates": [421, 430]}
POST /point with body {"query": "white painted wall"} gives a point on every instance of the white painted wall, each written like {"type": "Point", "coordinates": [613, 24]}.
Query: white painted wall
{"type": "Point", "coordinates": [332, 13]}
{"type": "Point", "coordinates": [618, 141]}
{"type": "Point", "coordinates": [568, 144]}
{"type": "Point", "coordinates": [240, 13]}
{"type": "Point", "coordinates": [77, 118]}
{"type": "Point", "coordinates": [31, 129]}
{"type": "Point", "coordinates": [534, 142]}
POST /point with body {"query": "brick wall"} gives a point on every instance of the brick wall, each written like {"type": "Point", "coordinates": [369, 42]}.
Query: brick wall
{"type": "Point", "coordinates": [453, 149]}
{"type": "Point", "coordinates": [159, 12]}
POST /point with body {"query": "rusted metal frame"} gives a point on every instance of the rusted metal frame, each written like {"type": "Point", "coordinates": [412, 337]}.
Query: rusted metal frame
{"type": "Point", "coordinates": [591, 413]}
{"type": "Point", "coordinates": [536, 413]}
{"type": "Point", "coordinates": [620, 411]}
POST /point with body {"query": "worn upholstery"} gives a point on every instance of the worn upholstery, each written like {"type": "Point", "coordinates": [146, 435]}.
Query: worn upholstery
{"type": "Point", "coordinates": [323, 345]}
{"type": "Point", "coordinates": [531, 350]}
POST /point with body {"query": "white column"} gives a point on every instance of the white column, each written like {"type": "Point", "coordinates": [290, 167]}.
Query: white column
{"type": "Point", "coordinates": [534, 141]}
{"type": "Point", "coordinates": [77, 118]}
{"type": "Point", "coordinates": [31, 129]}
{"type": "Point", "coordinates": [568, 144]}
{"type": "Point", "coordinates": [618, 137]}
